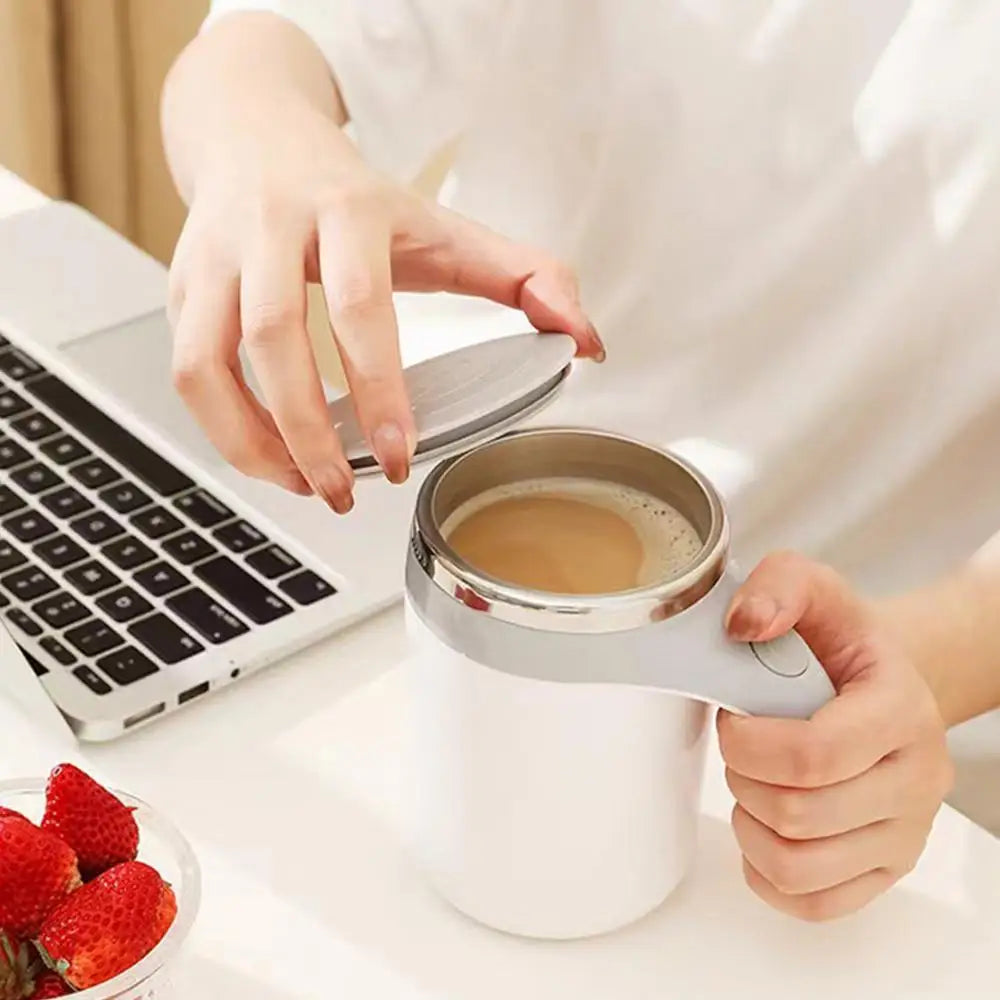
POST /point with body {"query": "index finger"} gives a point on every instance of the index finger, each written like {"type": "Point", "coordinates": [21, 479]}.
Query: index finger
{"type": "Point", "coordinates": [357, 282]}
{"type": "Point", "coordinates": [846, 737]}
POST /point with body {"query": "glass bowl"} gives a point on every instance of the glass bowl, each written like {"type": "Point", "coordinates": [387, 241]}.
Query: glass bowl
{"type": "Point", "coordinates": [160, 845]}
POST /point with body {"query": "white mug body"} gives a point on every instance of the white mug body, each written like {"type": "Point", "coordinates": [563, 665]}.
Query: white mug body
{"type": "Point", "coordinates": [549, 810]}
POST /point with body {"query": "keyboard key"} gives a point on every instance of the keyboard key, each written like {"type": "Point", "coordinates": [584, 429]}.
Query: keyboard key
{"type": "Point", "coordinates": [203, 509]}
{"type": "Point", "coordinates": [161, 578]}
{"type": "Point", "coordinates": [17, 365]}
{"type": "Point", "coordinates": [28, 583]}
{"type": "Point", "coordinates": [35, 478]}
{"type": "Point", "coordinates": [59, 551]}
{"type": "Point", "coordinates": [156, 522]}
{"type": "Point", "coordinates": [57, 651]}
{"type": "Point", "coordinates": [94, 473]}
{"type": "Point", "coordinates": [124, 498]}
{"type": "Point", "coordinates": [29, 526]}
{"type": "Point", "coordinates": [93, 638]}
{"type": "Point", "coordinates": [9, 556]}
{"type": "Point", "coordinates": [91, 577]}
{"type": "Point", "coordinates": [165, 639]}
{"type": "Point", "coordinates": [306, 587]}
{"type": "Point", "coordinates": [4, 600]}
{"type": "Point", "coordinates": [12, 404]}
{"type": "Point", "coordinates": [9, 501]}
{"type": "Point", "coordinates": [188, 548]}
{"type": "Point", "coordinates": [60, 610]}
{"type": "Point", "coordinates": [24, 622]}
{"type": "Point", "coordinates": [93, 680]}
{"type": "Point", "coordinates": [66, 503]}
{"type": "Point", "coordinates": [206, 615]}
{"type": "Point", "coordinates": [273, 562]}
{"type": "Point", "coordinates": [239, 536]}
{"type": "Point", "coordinates": [35, 426]}
{"type": "Point", "coordinates": [123, 605]}
{"type": "Point", "coordinates": [97, 527]}
{"type": "Point", "coordinates": [245, 592]}
{"type": "Point", "coordinates": [128, 665]}
{"type": "Point", "coordinates": [11, 454]}
{"type": "Point", "coordinates": [128, 552]}
{"type": "Point", "coordinates": [153, 470]}
{"type": "Point", "coordinates": [65, 449]}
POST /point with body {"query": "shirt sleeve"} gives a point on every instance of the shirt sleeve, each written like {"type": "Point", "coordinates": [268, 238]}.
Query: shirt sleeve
{"type": "Point", "coordinates": [406, 69]}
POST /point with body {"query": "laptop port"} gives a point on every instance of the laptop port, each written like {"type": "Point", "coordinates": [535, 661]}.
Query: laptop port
{"type": "Point", "coordinates": [134, 720]}
{"type": "Point", "coordinates": [199, 689]}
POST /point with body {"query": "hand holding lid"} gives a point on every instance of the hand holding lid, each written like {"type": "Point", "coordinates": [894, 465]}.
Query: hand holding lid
{"type": "Point", "coordinates": [468, 396]}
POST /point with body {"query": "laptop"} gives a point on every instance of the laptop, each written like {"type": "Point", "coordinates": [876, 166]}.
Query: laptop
{"type": "Point", "coordinates": [138, 570]}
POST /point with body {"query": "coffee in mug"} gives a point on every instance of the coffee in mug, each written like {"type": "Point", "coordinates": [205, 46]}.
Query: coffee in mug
{"type": "Point", "coordinates": [569, 535]}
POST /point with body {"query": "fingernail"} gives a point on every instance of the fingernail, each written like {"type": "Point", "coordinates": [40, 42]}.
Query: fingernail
{"type": "Point", "coordinates": [750, 617]}
{"type": "Point", "coordinates": [392, 451]}
{"type": "Point", "coordinates": [341, 503]}
{"type": "Point", "coordinates": [333, 488]}
{"type": "Point", "coordinates": [600, 354]}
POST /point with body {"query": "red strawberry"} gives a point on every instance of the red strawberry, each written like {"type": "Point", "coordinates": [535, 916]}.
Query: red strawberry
{"type": "Point", "coordinates": [90, 819]}
{"type": "Point", "coordinates": [15, 968]}
{"type": "Point", "coordinates": [37, 870]}
{"type": "Point", "coordinates": [9, 812]}
{"type": "Point", "coordinates": [108, 925]}
{"type": "Point", "coordinates": [49, 985]}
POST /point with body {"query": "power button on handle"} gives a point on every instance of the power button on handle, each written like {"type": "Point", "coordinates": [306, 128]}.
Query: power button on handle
{"type": "Point", "coordinates": [787, 656]}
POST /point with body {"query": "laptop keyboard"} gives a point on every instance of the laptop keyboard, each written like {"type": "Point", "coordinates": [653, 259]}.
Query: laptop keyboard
{"type": "Point", "coordinates": [113, 560]}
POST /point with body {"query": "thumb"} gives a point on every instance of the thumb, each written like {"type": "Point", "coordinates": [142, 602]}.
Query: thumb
{"type": "Point", "coordinates": [478, 261]}
{"type": "Point", "coordinates": [788, 591]}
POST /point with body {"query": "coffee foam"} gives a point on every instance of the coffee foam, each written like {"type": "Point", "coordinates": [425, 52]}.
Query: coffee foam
{"type": "Point", "coordinates": [669, 541]}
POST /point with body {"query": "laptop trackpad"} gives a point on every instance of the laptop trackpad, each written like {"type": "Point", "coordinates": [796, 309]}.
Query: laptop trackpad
{"type": "Point", "coordinates": [131, 363]}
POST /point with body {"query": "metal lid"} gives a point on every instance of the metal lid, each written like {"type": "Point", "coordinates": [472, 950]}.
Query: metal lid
{"type": "Point", "coordinates": [469, 395]}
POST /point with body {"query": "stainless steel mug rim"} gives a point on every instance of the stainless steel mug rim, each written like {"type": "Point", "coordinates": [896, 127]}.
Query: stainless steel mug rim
{"type": "Point", "coordinates": [640, 464]}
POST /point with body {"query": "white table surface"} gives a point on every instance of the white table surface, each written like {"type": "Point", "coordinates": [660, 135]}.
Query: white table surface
{"type": "Point", "coordinates": [291, 786]}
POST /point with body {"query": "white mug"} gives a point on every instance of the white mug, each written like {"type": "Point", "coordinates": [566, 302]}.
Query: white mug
{"type": "Point", "coordinates": [560, 739]}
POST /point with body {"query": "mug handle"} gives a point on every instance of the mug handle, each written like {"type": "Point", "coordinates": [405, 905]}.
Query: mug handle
{"type": "Point", "coordinates": [689, 654]}
{"type": "Point", "coordinates": [779, 678]}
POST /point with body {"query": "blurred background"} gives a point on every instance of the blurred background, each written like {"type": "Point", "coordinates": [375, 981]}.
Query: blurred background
{"type": "Point", "coordinates": [79, 106]}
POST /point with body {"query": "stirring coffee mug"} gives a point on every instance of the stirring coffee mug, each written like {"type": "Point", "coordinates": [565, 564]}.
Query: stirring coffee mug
{"type": "Point", "coordinates": [560, 739]}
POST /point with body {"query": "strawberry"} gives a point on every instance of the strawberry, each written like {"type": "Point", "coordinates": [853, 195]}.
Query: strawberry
{"type": "Point", "coordinates": [90, 819]}
{"type": "Point", "coordinates": [9, 812]}
{"type": "Point", "coordinates": [48, 985]}
{"type": "Point", "coordinates": [37, 870]}
{"type": "Point", "coordinates": [108, 925]}
{"type": "Point", "coordinates": [21, 974]}
{"type": "Point", "coordinates": [15, 968]}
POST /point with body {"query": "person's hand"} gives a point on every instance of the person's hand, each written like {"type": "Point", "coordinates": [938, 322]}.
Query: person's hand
{"type": "Point", "coordinates": [832, 811]}
{"type": "Point", "coordinates": [287, 200]}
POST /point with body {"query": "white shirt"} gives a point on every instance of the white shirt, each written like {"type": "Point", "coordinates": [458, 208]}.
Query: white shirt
{"type": "Point", "coordinates": [785, 215]}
